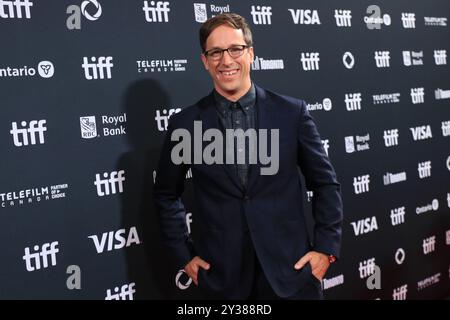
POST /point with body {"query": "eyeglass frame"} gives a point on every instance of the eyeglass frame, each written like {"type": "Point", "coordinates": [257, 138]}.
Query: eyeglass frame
{"type": "Point", "coordinates": [244, 46]}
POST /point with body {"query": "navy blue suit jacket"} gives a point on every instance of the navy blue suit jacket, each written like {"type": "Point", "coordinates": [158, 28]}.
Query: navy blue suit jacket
{"type": "Point", "coordinates": [269, 211]}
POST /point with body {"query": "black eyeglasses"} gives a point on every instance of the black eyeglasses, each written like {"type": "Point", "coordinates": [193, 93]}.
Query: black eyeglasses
{"type": "Point", "coordinates": [233, 51]}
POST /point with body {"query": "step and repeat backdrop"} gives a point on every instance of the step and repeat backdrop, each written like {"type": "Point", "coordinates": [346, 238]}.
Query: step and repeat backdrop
{"type": "Point", "coordinates": [86, 92]}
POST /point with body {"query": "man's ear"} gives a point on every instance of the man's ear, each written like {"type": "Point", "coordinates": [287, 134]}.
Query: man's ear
{"type": "Point", "coordinates": [205, 61]}
{"type": "Point", "coordinates": [251, 53]}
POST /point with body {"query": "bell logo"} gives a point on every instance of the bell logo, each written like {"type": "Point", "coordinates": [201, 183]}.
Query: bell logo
{"type": "Point", "coordinates": [114, 240]}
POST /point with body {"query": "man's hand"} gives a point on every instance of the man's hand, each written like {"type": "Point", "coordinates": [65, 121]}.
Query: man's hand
{"type": "Point", "coordinates": [319, 263]}
{"type": "Point", "coordinates": [192, 268]}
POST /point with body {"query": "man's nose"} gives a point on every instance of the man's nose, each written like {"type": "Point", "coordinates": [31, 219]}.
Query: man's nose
{"type": "Point", "coordinates": [226, 58]}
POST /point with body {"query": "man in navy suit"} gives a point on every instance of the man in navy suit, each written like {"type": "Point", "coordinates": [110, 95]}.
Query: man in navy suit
{"type": "Point", "coordinates": [252, 241]}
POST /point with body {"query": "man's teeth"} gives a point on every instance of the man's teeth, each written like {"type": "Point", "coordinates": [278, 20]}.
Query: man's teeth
{"type": "Point", "coordinates": [229, 73]}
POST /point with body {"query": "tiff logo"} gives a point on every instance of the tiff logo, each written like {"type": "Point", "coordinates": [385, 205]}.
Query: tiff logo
{"type": "Point", "coordinates": [440, 57]}
{"type": "Point", "coordinates": [409, 20]}
{"type": "Point", "coordinates": [424, 169]}
{"type": "Point", "coordinates": [353, 101]}
{"type": "Point", "coordinates": [13, 9]}
{"type": "Point", "coordinates": [428, 244]}
{"type": "Point", "coordinates": [21, 135]}
{"type": "Point", "coordinates": [366, 268]}
{"type": "Point", "coordinates": [446, 128]}
{"type": "Point", "coordinates": [126, 292]}
{"type": "Point", "coordinates": [398, 216]}
{"type": "Point", "coordinates": [361, 184]}
{"type": "Point", "coordinates": [417, 95]}
{"type": "Point", "coordinates": [390, 137]}
{"type": "Point", "coordinates": [158, 12]}
{"type": "Point", "coordinates": [33, 260]}
{"type": "Point", "coordinates": [163, 120]}
{"type": "Point", "coordinates": [310, 61]}
{"type": "Point", "coordinates": [96, 70]}
{"type": "Point", "coordinates": [400, 293]}
{"type": "Point", "coordinates": [261, 14]}
{"type": "Point", "coordinates": [382, 59]}
{"type": "Point", "coordinates": [115, 177]}
{"type": "Point", "coordinates": [343, 18]}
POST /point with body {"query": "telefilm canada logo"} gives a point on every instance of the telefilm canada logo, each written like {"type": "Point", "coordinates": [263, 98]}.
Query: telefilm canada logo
{"type": "Point", "coordinates": [33, 195]}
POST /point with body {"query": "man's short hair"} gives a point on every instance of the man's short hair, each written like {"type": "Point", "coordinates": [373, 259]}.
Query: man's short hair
{"type": "Point", "coordinates": [231, 19]}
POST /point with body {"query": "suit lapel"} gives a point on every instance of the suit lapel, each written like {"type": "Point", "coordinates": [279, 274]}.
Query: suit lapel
{"type": "Point", "coordinates": [264, 121]}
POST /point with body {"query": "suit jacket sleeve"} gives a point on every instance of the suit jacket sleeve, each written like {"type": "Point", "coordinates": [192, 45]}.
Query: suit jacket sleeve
{"type": "Point", "coordinates": [169, 186]}
{"type": "Point", "coordinates": [320, 177]}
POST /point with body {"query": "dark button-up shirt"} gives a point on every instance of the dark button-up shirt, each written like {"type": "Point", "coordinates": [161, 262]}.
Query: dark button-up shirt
{"type": "Point", "coordinates": [238, 115]}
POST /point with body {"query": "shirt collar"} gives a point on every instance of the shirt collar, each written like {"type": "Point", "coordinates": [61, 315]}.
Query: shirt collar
{"type": "Point", "coordinates": [246, 101]}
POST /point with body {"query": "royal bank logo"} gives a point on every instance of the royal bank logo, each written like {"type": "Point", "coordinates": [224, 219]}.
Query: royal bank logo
{"type": "Point", "coordinates": [386, 98]}
{"type": "Point", "coordinates": [445, 128]}
{"type": "Point", "coordinates": [125, 292]}
{"type": "Point", "coordinates": [15, 9]}
{"type": "Point", "coordinates": [111, 126]}
{"type": "Point", "coordinates": [390, 137]}
{"type": "Point", "coordinates": [376, 20]}
{"type": "Point", "coordinates": [382, 59]}
{"type": "Point", "coordinates": [441, 94]}
{"type": "Point", "coordinates": [357, 143]}
{"type": "Point", "coordinates": [45, 69]}
{"type": "Point", "coordinates": [162, 117]}
{"type": "Point", "coordinates": [408, 20]}
{"type": "Point", "coordinates": [325, 105]}
{"type": "Point", "coordinates": [310, 61]}
{"type": "Point", "coordinates": [161, 65]}
{"type": "Point", "coordinates": [440, 57]}
{"type": "Point", "coordinates": [447, 237]}
{"type": "Point", "coordinates": [261, 14]}
{"type": "Point", "coordinates": [343, 17]}
{"type": "Point", "coordinates": [305, 16]}
{"type": "Point", "coordinates": [267, 64]}
{"type": "Point", "coordinates": [397, 216]}
{"type": "Point", "coordinates": [156, 11]}
{"type": "Point", "coordinates": [201, 11]}
{"type": "Point", "coordinates": [435, 21]}
{"type": "Point", "coordinates": [417, 95]}
{"type": "Point", "coordinates": [412, 58]}
{"type": "Point", "coordinates": [33, 195]}
{"type": "Point", "coordinates": [353, 101]}
{"type": "Point", "coordinates": [88, 127]}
